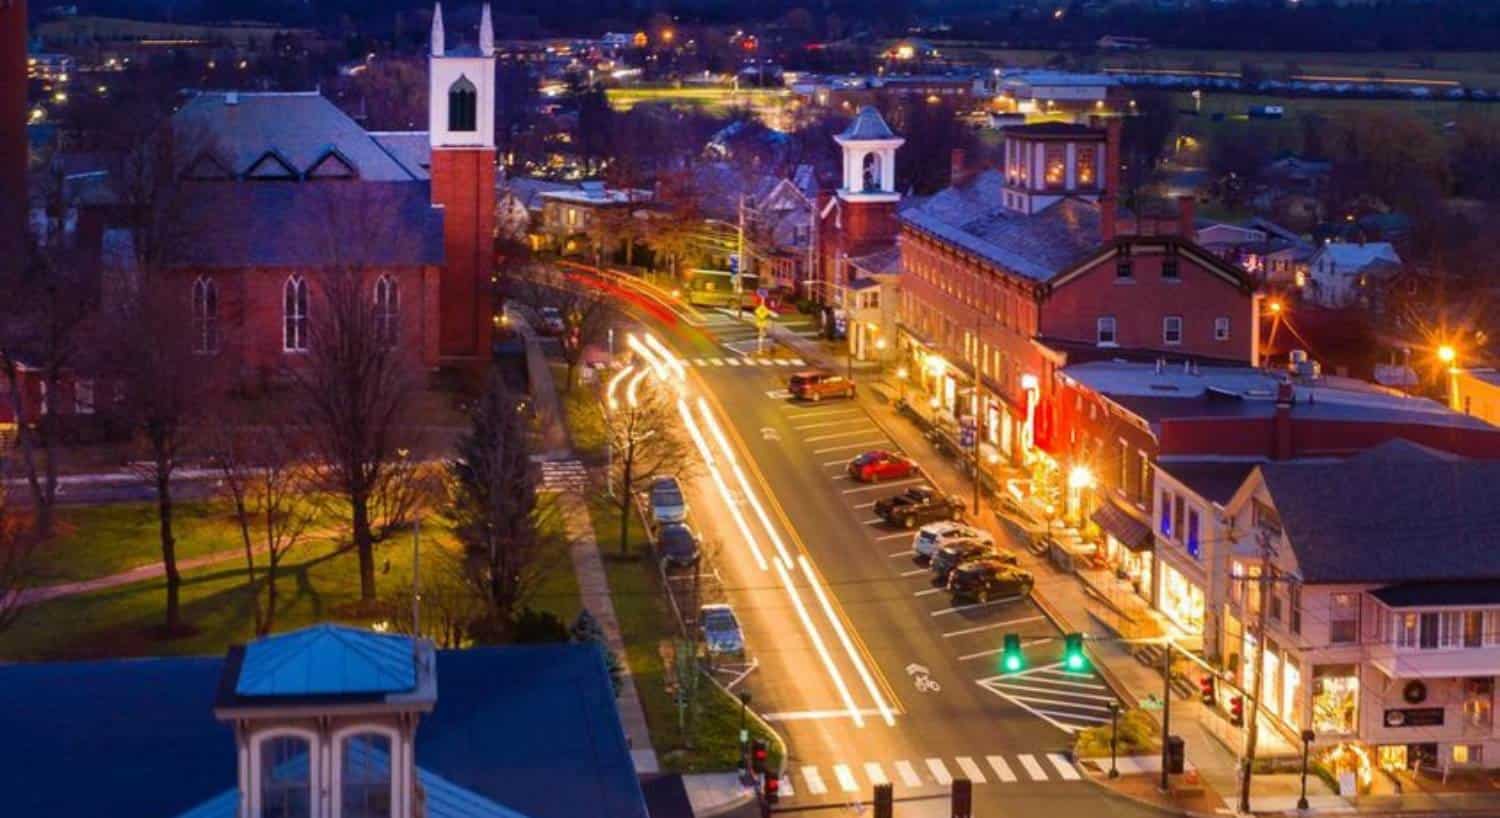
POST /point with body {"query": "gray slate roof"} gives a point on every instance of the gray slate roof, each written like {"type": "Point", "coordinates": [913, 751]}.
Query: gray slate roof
{"type": "Point", "coordinates": [1213, 480]}
{"type": "Point", "coordinates": [1396, 513]}
{"type": "Point", "coordinates": [313, 224]}
{"type": "Point", "coordinates": [972, 216]}
{"type": "Point", "coordinates": [868, 124]}
{"type": "Point", "coordinates": [301, 127]}
{"type": "Point", "coordinates": [411, 149]}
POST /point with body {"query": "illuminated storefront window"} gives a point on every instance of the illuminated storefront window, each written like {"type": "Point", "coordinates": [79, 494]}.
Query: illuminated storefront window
{"type": "Point", "coordinates": [1181, 600]}
{"type": "Point", "coordinates": [1291, 694]}
{"type": "Point", "coordinates": [1056, 168]}
{"type": "Point", "coordinates": [1335, 699]}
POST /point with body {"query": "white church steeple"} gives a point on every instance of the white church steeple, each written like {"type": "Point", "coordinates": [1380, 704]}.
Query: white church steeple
{"type": "Point", "coordinates": [461, 88]}
{"type": "Point", "coordinates": [486, 33]}
{"type": "Point", "coordinates": [869, 147]}
{"type": "Point", "coordinates": [437, 30]}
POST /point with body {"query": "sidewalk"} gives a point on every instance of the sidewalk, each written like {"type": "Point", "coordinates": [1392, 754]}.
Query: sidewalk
{"type": "Point", "coordinates": [593, 584]}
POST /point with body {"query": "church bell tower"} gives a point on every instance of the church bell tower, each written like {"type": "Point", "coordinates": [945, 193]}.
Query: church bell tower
{"type": "Point", "coordinates": [461, 131]}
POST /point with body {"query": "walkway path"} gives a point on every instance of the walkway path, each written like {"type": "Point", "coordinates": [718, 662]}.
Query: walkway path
{"type": "Point", "coordinates": [593, 582]}
{"type": "Point", "coordinates": [140, 573]}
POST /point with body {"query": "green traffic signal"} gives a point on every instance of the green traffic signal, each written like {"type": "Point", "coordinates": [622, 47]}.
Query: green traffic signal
{"type": "Point", "coordinates": [1073, 656]}
{"type": "Point", "coordinates": [1011, 659]}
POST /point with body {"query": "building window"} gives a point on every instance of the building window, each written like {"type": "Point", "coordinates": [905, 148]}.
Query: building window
{"type": "Point", "coordinates": [285, 778]}
{"type": "Point", "coordinates": [1193, 548]}
{"type": "Point", "coordinates": [365, 776]}
{"type": "Point", "coordinates": [1343, 618]}
{"type": "Point", "coordinates": [1056, 168]}
{"type": "Point", "coordinates": [1221, 328]}
{"type": "Point", "coordinates": [1166, 513]}
{"type": "Point", "coordinates": [1479, 701]}
{"type": "Point", "coordinates": [1179, 508]}
{"type": "Point", "coordinates": [1473, 629]}
{"type": "Point", "coordinates": [1405, 630]}
{"type": "Point", "coordinates": [462, 106]}
{"type": "Point", "coordinates": [387, 311]}
{"type": "Point", "coordinates": [1427, 631]}
{"type": "Point", "coordinates": [1084, 167]}
{"type": "Point", "coordinates": [1171, 330]}
{"type": "Point", "coordinates": [1123, 268]}
{"type": "Point", "coordinates": [1335, 698]}
{"type": "Point", "coordinates": [1294, 605]}
{"type": "Point", "coordinates": [1468, 754]}
{"type": "Point", "coordinates": [205, 315]}
{"type": "Point", "coordinates": [83, 397]}
{"type": "Point", "coordinates": [1104, 329]}
{"type": "Point", "coordinates": [1169, 264]}
{"type": "Point", "coordinates": [294, 314]}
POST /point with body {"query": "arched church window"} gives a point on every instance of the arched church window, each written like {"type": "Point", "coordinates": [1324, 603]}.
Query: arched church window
{"type": "Point", "coordinates": [872, 173]}
{"type": "Point", "coordinates": [387, 310]}
{"type": "Point", "coordinates": [365, 776]}
{"type": "Point", "coordinates": [294, 315]}
{"type": "Point", "coordinates": [462, 102]}
{"type": "Point", "coordinates": [285, 778]}
{"type": "Point", "coordinates": [205, 315]}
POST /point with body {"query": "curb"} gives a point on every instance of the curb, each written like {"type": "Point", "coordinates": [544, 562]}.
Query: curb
{"type": "Point", "coordinates": [1141, 802]}
{"type": "Point", "coordinates": [748, 794]}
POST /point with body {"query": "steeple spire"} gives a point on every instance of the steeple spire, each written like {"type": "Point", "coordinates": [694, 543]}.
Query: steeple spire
{"type": "Point", "coordinates": [437, 30]}
{"type": "Point", "coordinates": [486, 33]}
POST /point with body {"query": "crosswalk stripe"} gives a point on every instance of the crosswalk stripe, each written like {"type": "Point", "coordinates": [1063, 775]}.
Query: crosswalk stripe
{"type": "Point", "coordinates": [1002, 769]}
{"type": "Point", "coordinates": [786, 787]}
{"type": "Point", "coordinates": [814, 781]}
{"type": "Point", "coordinates": [700, 361]}
{"type": "Point", "coordinates": [1052, 691]}
{"type": "Point", "coordinates": [716, 361]}
{"type": "Point", "coordinates": [1060, 703]}
{"type": "Point", "coordinates": [733, 361]}
{"type": "Point", "coordinates": [908, 774]}
{"type": "Point", "coordinates": [1033, 769]}
{"type": "Point", "coordinates": [939, 771]}
{"type": "Point", "coordinates": [1064, 767]}
{"type": "Point", "coordinates": [1070, 716]}
{"type": "Point", "coordinates": [797, 362]}
{"type": "Point", "coordinates": [970, 769]}
{"type": "Point", "coordinates": [846, 778]}
{"type": "Point", "coordinates": [767, 362]}
{"type": "Point", "coordinates": [874, 772]}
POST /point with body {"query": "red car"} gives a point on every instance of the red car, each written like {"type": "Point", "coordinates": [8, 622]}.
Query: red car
{"type": "Point", "coordinates": [872, 467]}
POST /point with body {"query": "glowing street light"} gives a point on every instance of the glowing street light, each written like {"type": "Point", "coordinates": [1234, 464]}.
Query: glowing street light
{"type": "Point", "coordinates": [1447, 354]}
{"type": "Point", "coordinates": [1079, 478]}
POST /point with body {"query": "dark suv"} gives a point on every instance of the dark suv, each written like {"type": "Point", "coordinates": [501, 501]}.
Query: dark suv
{"type": "Point", "coordinates": [816, 385]}
{"type": "Point", "coordinates": [918, 506]}
{"type": "Point", "coordinates": [952, 555]}
{"type": "Point", "coordinates": [986, 579]}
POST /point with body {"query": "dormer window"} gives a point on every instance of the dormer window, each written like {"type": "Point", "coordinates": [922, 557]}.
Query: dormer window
{"type": "Point", "coordinates": [1085, 166]}
{"type": "Point", "coordinates": [462, 106]}
{"type": "Point", "coordinates": [285, 777]}
{"type": "Point", "coordinates": [1056, 170]}
{"type": "Point", "coordinates": [365, 786]}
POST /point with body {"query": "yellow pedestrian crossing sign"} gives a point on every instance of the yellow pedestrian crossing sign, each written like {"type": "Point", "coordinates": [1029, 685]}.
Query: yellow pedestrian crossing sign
{"type": "Point", "coordinates": [762, 315]}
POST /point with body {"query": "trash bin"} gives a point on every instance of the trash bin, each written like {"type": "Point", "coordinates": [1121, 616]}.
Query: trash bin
{"type": "Point", "coordinates": [1176, 755]}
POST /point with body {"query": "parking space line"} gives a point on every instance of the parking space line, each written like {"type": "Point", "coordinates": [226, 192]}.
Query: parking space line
{"type": "Point", "coordinates": [1064, 767]}
{"type": "Point", "coordinates": [1054, 702]}
{"type": "Point", "coordinates": [966, 631]}
{"type": "Point", "coordinates": [870, 504]}
{"type": "Point", "coordinates": [842, 461]}
{"type": "Point", "coordinates": [939, 771]}
{"type": "Point", "coordinates": [836, 435]}
{"type": "Point", "coordinates": [975, 605]}
{"type": "Point", "coordinates": [970, 769]}
{"type": "Point", "coordinates": [913, 572]}
{"type": "Point", "coordinates": [908, 774]}
{"type": "Point", "coordinates": [885, 485]}
{"type": "Point", "coordinates": [846, 778]}
{"type": "Point", "coordinates": [804, 411]}
{"type": "Point", "coordinates": [859, 445]}
{"type": "Point", "coordinates": [1050, 690]}
{"type": "Point", "coordinates": [1001, 768]}
{"type": "Point", "coordinates": [967, 656]}
{"type": "Point", "coordinates": [821, 424]}
{"type": "Point", "coordinates": [1033, 769]}
{"type": "Point", "coordinates": [929, 591]}
{"type": "Point", "coordinates": [896, 554]}
{"type": "Point", "coordinates": [1070, 716]}
{"type": "Point", "coordinates": [874, 772]}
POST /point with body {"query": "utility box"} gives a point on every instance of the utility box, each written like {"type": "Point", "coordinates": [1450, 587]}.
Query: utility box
{"type": "Point", "coordinates": [1176, 755]}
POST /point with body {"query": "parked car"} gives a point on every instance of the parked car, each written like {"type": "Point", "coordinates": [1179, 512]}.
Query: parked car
{"type": "Point", "coordinates": [877, 465]}
{"type": "Point", "coordinates": [721, 630]}
{"type": "Point", "coordinates": [677, 544]}
{"type": "Point", "coordinates": [957, 553]}
{"type": "Point", "coordinates": [551, 320]}
{"type": "Point", "coordinates": [933, 536]}
{"type": "Point", "coordinates": [918, 505]}
{"type": "Point", "coordinates": [667, 502]}
{"type": "Point", "coordinates": [986, 579]}
{"type": "Point", "coordinates": [816, 384]}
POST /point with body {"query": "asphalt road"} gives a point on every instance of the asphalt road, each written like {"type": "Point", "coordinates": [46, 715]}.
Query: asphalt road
{"type": "Point", "coordinates": [905, 644]}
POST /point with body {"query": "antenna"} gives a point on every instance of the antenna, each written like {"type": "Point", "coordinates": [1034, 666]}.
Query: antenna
{"type": "Point", "coordinates": [416, 589]}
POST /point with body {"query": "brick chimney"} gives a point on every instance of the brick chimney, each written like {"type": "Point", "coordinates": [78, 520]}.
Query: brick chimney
{"type": "Point", "coordinates": [1281, 422]}
{"type": "Point", "coordinates": [1187, 217]}
{"type": "Point", "coordinates": [1109, 202]}
{"type": "Point", "coordinates": [958, 161]}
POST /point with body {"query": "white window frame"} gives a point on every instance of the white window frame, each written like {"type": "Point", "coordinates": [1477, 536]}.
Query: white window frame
{"type": "Point", "coordinates": [294, 321]}
{"type": "Point", "coordinates": [1113, 331]}
{"type": "Point", "coordinates": [387, 310]}
{"type": "Point", "coordinates": [397, 763]}
{"type": "Point", "coordinates": [314, 753]}
{"type": "Point", "coordinates": [205, 315]}
{"type": "Point", "coordinates": [1166, 330]}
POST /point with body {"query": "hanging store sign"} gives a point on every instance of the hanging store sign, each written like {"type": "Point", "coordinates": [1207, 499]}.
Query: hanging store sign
{"type": "Point", "coordinates": [1414, 717]}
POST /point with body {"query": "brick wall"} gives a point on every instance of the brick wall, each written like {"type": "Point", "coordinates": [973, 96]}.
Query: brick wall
{"type": "Point", "coordinates": [463, 182]}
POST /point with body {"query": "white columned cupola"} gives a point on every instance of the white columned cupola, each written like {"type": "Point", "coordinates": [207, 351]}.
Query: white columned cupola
{"type": "Point", "coordinates": [461, 87]}
{"type": "Point", "coordinates": [869, 147]}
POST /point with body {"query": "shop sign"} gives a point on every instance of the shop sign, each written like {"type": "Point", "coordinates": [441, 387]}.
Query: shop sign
{"type": "Point", "coordinates": [1414, 717]}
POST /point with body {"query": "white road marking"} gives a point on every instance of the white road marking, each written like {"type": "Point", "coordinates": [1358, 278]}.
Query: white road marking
{"type": "Point", "coordinates": [970, 769]}
{"type": "Point", "coordinates": [967, 656]}
{"type": "Point", "coordinates": [732, 361]}
{"type": "Point", "coordinates": [907, 535]}
{"type": "Point", "coordinates": [1064, 767]}
{"type": "Point", "coordinates": [870, 504]}
{"type": "Point", "coordinates": [1033, 769]}
{"type": "Point", "coordinates": [939, 772]}
{"type": "Point", "coordinates": [929, 591]}
{"type": "Point", "coordinates": [837, 435]}
{"type": "Point", "coordinates": [885, 484]}
{"type": "Point", "coordinates": [796, 362]}
{"type": "Point", "coordinates": [716, 361]}
{"type": "Point", "coordinates": [1002, 769]}
{"type": "Point", "coordinates": [861, 445]}
{"type": "Point", "coordinates": [997, 625]}
{"type": "Point", "coordinates": [814, 781]}
{"type": "Point", "coordinates": [815, 715]}
{"type": "Point", "coordinates": [913, 572]}
{"type": "Point", "coordinates": [975, 605]}
{"type": "Point", "coordinates": [874, 521]}
{"type": "Point", "coordinates": [783, 362]}
{"type": "Point", "coordinates": [875, 773]}
{"type": "Point", "coordinates": [1069, 728]}
{"type": "Point", "coordinates": [846, 778]}
{"type": "Point", "coordinates": [1058, 702]}
{"type": "Point", "coordinates": [787, 791]}
{"type": "Point", "coordinates": [908, 774]}
{"type": "Point", "coordinates": [842, 461]}
{"type": "Point", "coordinates": [1055, 692]}
{"type": "Point", "coordinates": [804, 410]}
{"type": "Point", "coordinates": [821, 425]}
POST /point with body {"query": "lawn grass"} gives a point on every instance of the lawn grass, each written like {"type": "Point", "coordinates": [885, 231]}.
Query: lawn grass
{"type": "Point", "coordinates": [99, 540]}
{"type": "Point", "coordinates": [583, 416]}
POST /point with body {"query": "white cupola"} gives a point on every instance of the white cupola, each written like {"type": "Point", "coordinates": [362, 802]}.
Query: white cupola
{"type": "Point", "coordinates": [461, 87]}
{"type": "Point", "coordinates": [869, 147]}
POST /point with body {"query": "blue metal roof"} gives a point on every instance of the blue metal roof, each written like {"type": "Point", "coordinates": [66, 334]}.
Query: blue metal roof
{"type": "Point", "coordinates": [327, 660]}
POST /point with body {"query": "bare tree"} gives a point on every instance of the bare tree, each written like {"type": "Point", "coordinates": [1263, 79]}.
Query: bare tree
{"type": "Point", "coordinates": [18, 545]}
{"type": "Point", "coordinates": [270, 482]}
{"type": "Point", "coordinates": [645, 443]}
{"type": "Point", "coordinates": [356, 381]}
{"type": "Point", "coordinates": [587, 312]}
{"type": "Point", "coordinates": [495, 510]}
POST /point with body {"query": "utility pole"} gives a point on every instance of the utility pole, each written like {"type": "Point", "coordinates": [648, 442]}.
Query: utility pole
{"type": "Point", "coordinates": [739, 255]}
{"type": "Point", "coordinates": [1166, 711]}
{"type": "Point", "coordinates": [1257, 668]}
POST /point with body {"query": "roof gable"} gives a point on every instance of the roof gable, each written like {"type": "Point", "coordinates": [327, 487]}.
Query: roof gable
{"type": "Point", "coordinates": [1208, 262]}
{"type": "Point", "coordinates": [271, 165]}
{"type": "Point", "coordinates": [327, 660]}
{"type": "Point", "coordinates": [332, 165]}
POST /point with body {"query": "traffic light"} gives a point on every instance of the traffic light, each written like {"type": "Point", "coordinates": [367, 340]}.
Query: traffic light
{"type": "Point", "coordinates": [758, 756]}
{"type": "Point", "coordinates": [1011, 659]}
{"type": "Point", "coordinates": [772, 788]}
{"type": "Point", "coordinates": [884, 802]}
{"type": "Point", "coordinates": [1206, 690]}
{"type": "Point", "coordinates": [1073, 658]}
{"type": "Point", "coordinates": [1237, 710]}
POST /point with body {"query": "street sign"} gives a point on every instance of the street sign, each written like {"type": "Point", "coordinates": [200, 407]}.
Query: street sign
{"type": "Point", "coordinates": [966, 437]}
{"type": "Point", "coordinates": [734, 262]}
{"type": "Point", "coordinates": [762, 313]}
{"type": "Point", "coordinates": [762, 294]}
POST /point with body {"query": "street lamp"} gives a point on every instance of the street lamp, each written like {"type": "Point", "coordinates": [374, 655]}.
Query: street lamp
{"type": "Point", "coordinates": [1307, 737]}
{"type": "Point", "coordinates": [1114, 732]}
{"type": "Point", "coordinates": [1447, 354]}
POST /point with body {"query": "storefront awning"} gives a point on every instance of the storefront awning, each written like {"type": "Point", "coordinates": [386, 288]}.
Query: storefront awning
{"type": "Point", "coordinates": [1118, 523]}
